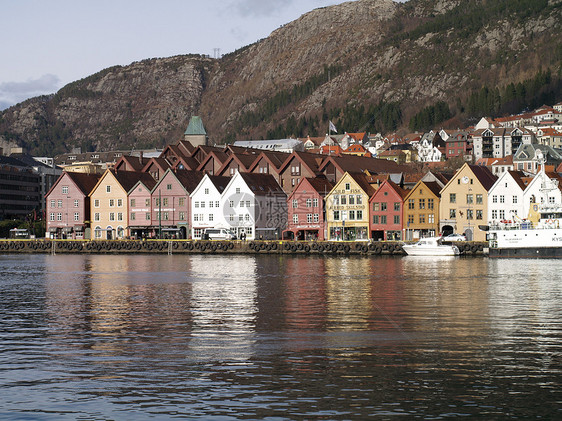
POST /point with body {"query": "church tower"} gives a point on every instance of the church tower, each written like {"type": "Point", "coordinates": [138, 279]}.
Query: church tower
{"type": "Point", "coordinates": [195, 132]}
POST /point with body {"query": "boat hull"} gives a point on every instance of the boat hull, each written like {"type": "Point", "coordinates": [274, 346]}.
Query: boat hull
{"type": "Point", "coordinates": [427, 251]}
{"type": "Point", "coordinates": [527, 252]}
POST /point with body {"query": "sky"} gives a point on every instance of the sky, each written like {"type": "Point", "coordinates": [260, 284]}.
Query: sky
{"type": "Point", "coordinates": [48, 44]}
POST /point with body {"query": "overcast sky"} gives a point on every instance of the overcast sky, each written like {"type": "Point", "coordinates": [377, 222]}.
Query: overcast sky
{"type": "Point", "coordinates": [49, 43]}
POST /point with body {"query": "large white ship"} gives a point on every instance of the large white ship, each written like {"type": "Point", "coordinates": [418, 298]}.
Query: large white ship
{"type": "Point", "coordinates": [525, 239]}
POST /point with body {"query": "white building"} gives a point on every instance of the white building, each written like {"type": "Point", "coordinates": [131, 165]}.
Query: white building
{"type": "Point", "coordinates": [207, 204]}
{"type": "Point", "coordinates": [255, 205]}
{"type": "Point", "coordinates": [506, 198]}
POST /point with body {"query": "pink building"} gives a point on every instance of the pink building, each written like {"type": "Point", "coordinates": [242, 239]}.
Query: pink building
{"type": "Point", "coordinates": [140, 215]}
{"type": "Point", "coordinates": [306, 214]}
{"type": "Point", "coordinates": [68, 206]}
{"type": "Point", "coordinates": [385, 211]}
{"type": "Point", "coordinates": [171, 203]}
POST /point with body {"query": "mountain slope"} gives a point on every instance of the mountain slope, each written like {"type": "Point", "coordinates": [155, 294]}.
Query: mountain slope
{"type": "Point", "coordinates": [368, 64]}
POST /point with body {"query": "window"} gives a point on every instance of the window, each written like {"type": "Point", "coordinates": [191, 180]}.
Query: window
{"type": "Point", "coordinates": [494, 199]}
{"type": "Point", "coordinates": [53, 203]}
{"type": "Point", "coordinates": [315, 203]}
{"type": "Point", "coordinates": [120, 216]}
{"type": "Point", "coordinates": [411, 204]}
{"type": "Point", "coordinates": [217, 204]}
{"type": "Point", "coordinates": [494, 214]}
{"type": "Point", "coordinates": [133, 216]}
{"type": "Point", "coordinates": [352, 215]}
{"type": "Point", "coordinates": [231, 203]}
{"type": "Point", "coordinates": [502, 214]}
{"type": "Point", "coordinates": [343, 199]}
{"type": "Point", "coordinates": [157, 202]}
{"type": "Point", "coordinates": [452, 213]}
{"type": "Point", "coordinates": [410, 219]}
{"type": "Point", "coordinates": [359, 199]}
{"type": "Point", "coordinates": [182, 216]}
{"type": "Point", "coordinates": [316, 217]}
{"type": "Point", "coordinates": [383, 219]}
{"type": "Point", "coordinates": [148, 216]}
{"type": "Point", "coordinates": [96, 216]}
{"type": "Point", "coordinates": [206, 191]}
{"type": "Point", "coordinates": [196, 205]}
{"type": "Point", "coordinates": [514, 199]}
{"type": "Point", "coordinates": [452, 198]}
{"type": "Point", "coordinates": [422, 203]}
{"type": "Point", "coordinates": [295, 204]}
{"type": "Point", "coordinates": [397, 206]}
{"type": "Point", "coordinates": [52, 216]}
{"type": "Point", "coordinates": [296, 218]}
{"type": "Point", "coordinates": [211, 217]}
{"type": "Point", "coordinates": [112, 216]}
{"type": "Point", "coordinates": [168, 187]}
{"type": "Point", "coordinates": [76, 203]}
{"type": "Point", "coordinates": [383, 206]}
{"type": "Point", "coordinates": [431, 218]}
{"type": "Point", "coordinates": [469, 214]}
{"type": "Point", "coordinates": [165, 202]}
{"type": "Point", "coordinates": [479, 199]}
{"type": "Point", "coordinates": [76, 216]}
{"type": "Point", "coordinates": [64, 189]}
{"type": "Point", "coordinates": [430, 204]}
{"type": "Point", "coordinates": [347, 186]}
{"type": "Point", "coordinates": [397, 219]}
{"type": "Point", "coordinates": [108, 189]}
{"type": "Point", "coordinates": [111, 203]}
{"type": "Point", "coordinates": [479, 214]}
{"type": "Point", "coordinates": [133, 203]}
{"type": "Point", "coordinates": [502, 198]}
{"type": "Point", "coordinates": [422, 219]}
{"type": "Point", "coordinates": [351, 199]}
{"type": "Point", "coordinates": [309, 218]}
{"type": "Point", "coordinates": [147, 202]}
{"type": "Point", "coordinates": [308, 203]}
{"type": "Point", "coordinates": [59, 203]}
{"type": "Point", "coordinates": [376, 219]}
{"type": "Point", "coordinates": [469, 199]}
{"type": "Point", "coordinates": [336, 215]}
{"type": "Point", "coordinates": [119, 203]}
{"type": "Point", "coordinates": [359, 215]}
{"type": "Point", "coordinates": [376, 206]}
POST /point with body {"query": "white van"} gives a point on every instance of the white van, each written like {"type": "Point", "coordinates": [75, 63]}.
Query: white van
{"type": "Point", "coordinates": [218, 234]}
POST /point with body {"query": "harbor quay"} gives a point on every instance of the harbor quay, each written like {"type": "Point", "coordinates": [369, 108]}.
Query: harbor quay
{"type": "Point", "coordinates": [219, 246]}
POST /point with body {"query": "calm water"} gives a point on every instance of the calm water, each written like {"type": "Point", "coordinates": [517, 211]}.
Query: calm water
{"type": "Point", "coordinates": [187, 337]}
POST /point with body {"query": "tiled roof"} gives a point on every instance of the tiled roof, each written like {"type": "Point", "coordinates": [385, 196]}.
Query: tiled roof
{"type": "Point", "coordinates": [85, 182]}
{"type": "Point", "coordinates": [189, 179]}
{"type": "Point", "coordinates": [262, 184]}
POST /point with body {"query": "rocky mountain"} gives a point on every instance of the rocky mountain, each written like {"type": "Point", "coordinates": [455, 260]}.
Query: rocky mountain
{"type": "Point", "coordinates": [366, 64]}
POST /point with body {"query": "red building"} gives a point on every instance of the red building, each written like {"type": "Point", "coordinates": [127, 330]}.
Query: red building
{"type": "Point", "coordinates": [385, 211]}
{"type": "Point", "coordinates": [306, 210]}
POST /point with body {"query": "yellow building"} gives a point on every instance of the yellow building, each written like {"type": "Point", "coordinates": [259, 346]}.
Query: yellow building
{"type": "Point", "coordinates": [347, 208]}
{"type": "Point", "coordinates": [421, 210]}
{"type": "Point", "coordinates": [464, 202]}
{"type": "Point", "coordinates": [109, 203]}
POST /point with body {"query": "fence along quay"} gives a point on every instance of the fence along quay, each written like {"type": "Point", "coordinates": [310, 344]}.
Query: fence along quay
{"type": "Point", "coordinates": [218, 246]}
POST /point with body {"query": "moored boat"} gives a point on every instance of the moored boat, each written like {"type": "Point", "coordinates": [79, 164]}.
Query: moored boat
{"type": "Point", "coordinates": [431, 246]}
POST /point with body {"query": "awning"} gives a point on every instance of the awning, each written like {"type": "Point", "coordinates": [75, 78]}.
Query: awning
{"type": "Point", "coordinates": [79, 227]}
{"type": "Point", "coordinates": [53, 229]}
{"type": "Point", "coordinates": [67, 229]}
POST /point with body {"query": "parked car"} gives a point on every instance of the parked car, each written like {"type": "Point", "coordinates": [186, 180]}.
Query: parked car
{"type": "Point", "coordinates": [218, 234]}
{"type": "Point", "coordinates": [454, 237]}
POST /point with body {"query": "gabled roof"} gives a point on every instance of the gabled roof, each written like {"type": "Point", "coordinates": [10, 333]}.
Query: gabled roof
{"type": "Point", "coordinates": [484, 176]}
{"type": "Point", "coordinates": [188, 179]}
{"type": "Point", "coordinates": [311, 161]}
{"type": "Point", "coordinates": [399, 190]}
{"type": "Point", "coordinates": [261, 184]}
{"type": "Point", "coordinates": [195, 127]}
{"type": "Point", "coordinates": [363, 182]}
{"type": "Point", "coordinates": [244, 161]}
{"type": "Point", "coordinates": [520, 178]}
{"type": "Point", "coordinates": [158, 162]}
{"type": "Point", "coordinates": [84, 182]}
{"type": "Point", "coordinates": [219, 155]}
{"type": "Point", "coordinates": [129, 179]}
{"type": "Point", "coordinates": [320, 184]}
{"type": "Point", "coordinates": [188, 163]}
{"type": "Point", "coordinates": [135, 163]}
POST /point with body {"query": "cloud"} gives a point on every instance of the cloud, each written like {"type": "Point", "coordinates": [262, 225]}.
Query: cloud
{"type": "Point", "coordinates": [13, 92]}
{"type": "Point", "coordinates": [255, 8]}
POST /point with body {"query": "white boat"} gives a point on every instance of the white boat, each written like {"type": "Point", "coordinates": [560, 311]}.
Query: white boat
{"type": "Point", "coordinates": [525, 238]}
{"type": "Point", "coordinates": [431, 247]}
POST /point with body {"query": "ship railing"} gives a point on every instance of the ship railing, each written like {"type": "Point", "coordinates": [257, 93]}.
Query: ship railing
{"type": "Point", "coordinates": [511, 225]}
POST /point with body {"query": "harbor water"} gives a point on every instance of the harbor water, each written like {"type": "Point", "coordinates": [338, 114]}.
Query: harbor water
{"type": "Point", "coordinates": [122, 337]}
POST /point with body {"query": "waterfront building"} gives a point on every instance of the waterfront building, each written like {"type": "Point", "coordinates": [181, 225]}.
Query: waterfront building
{"type": "Point", "coordinates": [464, 202]}
{"type": "Point", "coordinates": [386, 214]}
{"type": "Point", "coordinates": [20, 189]}
{"type": "Point", "coordinates": [421, 209]}
{"type": "Point", "coordinates": [109, 203]}
{"type": "Point", "coordinates": [347, 212]}
{"type": "Point", "coordinates": [306, 219]}
{"type": "Point", "coordinates": [297, 166]}
{"type": "Point", "coordinates": [171, 201]}
{"type": "Point", "coordinates": [140, 215]}
{"type": "Point", "coordinates": [207, 205]}
{"type": "Point", "coordinates": [525, 159]}
{"type": "Point", "coordinates": [255, 205]}
{"type": "Point", "coordinates": [68, 206]}
{"type": "Point", "coordinates": [506, 199]}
